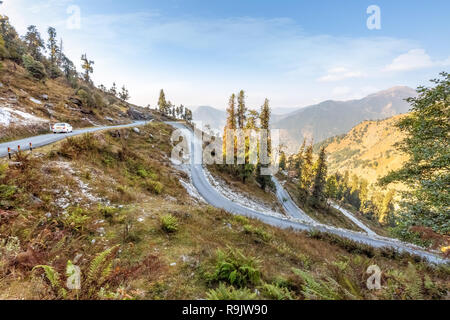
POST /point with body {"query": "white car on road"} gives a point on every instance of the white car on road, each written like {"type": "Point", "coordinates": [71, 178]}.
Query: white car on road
{"type": "Point", "coordinates": [62, 128]}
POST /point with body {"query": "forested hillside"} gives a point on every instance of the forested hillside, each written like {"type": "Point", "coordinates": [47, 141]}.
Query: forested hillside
{"type": "Point", "coordinates": [368, 150]}
{"type": "Point", "coordinates": [40, 85]}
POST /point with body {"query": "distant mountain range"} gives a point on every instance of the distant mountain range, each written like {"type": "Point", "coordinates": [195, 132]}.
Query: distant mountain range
{"type": "Point", "coordinates": [326, 119]}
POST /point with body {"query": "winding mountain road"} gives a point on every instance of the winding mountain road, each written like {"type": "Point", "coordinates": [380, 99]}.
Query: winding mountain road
{"type": "Point", "coordinates": [297, 220]}
{"type": "Point", "coordinates": [354, 219]}
{"type": "Point", "coordinates": [46, 139]}
{"type": "Point", "coordinates": [289, 205]}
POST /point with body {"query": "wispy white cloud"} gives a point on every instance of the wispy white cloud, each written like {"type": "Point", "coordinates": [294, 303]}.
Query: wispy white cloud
{"type": "Point", "coordinates": [414, 59]}
{"type": "Point", "coordinates": [201, 61]}
{"type": "Point", "coordinates": [340, 73]}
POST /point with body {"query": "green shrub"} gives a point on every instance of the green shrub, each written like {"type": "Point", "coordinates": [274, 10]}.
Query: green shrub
{"type": "Point", "coordinates": [34, 68]}
{"type": "Point", "coordinates": [76, 218]}
{"type": "Point", "coordinates": [86, 97]}
{"type": "Point", "coordinates": [143, 173]}
{"type": "Point", "coordinates": [169, 223]}
{"type": "Point", "coordinates": [235, 268]}
{"type": "Point", "coordinates": [3, 169]}
{"type": "Point", "coordinates": [276, 292]}
{"type": "Point", "coordinates": [260, 233]}
{"type": "Point", "coordinates": [74, 147]}
{"type": "Point", "coordinates": [154, 186]}
{"type": "Point", "coordinates": [224, 292]}
{"type": "Point", "coordinates": [99, 101]}
{"type": "Point", "coordinates": [54, 72]}
{"type": "Point", "coordinates": [241, 219]}
{"type": "Point", "coordinates": [107, 212]}
{"type": "Point", "coordinates": [6, 192]}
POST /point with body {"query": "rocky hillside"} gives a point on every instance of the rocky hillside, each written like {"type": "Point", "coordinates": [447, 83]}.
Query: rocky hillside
{"type": "Point", "coordinates": [28, 106]}
{"type": "Point", "coordinates": [367, 150]}
{"type": "Point", "coordinates": [331, 118]}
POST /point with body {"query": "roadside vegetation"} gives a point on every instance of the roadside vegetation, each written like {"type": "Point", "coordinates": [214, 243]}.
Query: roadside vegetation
{"type": "Point", "coordinates": [86, 202]}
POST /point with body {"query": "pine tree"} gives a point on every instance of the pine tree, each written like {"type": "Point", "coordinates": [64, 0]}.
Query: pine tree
{"type": "Point", "coordinates": [181, 110]}
{"type": "Point", "coordinates": [69, 68]}
{"type": "Point", "coordinates": [87, 66]}
{"type": "Point", "coordinates": [318, 193]}
{"type": "Point", "coordinates": [34, 43]}
{"type": "Point", "coordinates": [52, 46]}
{"type": "Point", "coordinates": [124, 94]}
{"type": "Point", "coordinates": [282, 163]}
{"type": "Point", "coordinates": [231, 122]}
{"type": "Point", "coordinates": [113, 89]}
{"type": "Point", "coordinates": [252, 120]}
{"type": "Point", "coordinates": [305, 174]}
{"type": "Point", "coordinates": [264, 117]}
{"type": "Point", "coordinates": [59, 60]}
{"type": "Point", "coordinates": [162, 103]}
{"type": "Point", "coordinates": [14, 46]}
{"type": "Point", "coordinates": [363, 193]}
{"type": "Point", "coordinates": [387, 206]}
{"type": "Point", "coordinates": [241, 110]}
{"type": "Point", "coordinates": [331, 188]}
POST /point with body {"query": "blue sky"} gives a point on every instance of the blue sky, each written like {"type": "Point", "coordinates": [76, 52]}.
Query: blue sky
{"type": "Point", "coordinates": [295, 53]}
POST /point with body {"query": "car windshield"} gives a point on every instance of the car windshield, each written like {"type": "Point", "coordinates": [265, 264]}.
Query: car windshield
{"type": "Point", "coordinates": [60, 125]}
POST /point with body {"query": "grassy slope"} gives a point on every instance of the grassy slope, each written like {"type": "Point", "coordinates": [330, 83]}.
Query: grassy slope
{"type": "Point", "coordinates": [151, 263]}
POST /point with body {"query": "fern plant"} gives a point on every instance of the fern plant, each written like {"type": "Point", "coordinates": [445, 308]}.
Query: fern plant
{"type": "Point", "coordinates": [99, 270]}
{"type": "Point", "coordinates": [327, 289]}
{"type": "Point", "coordinates": [224, 292]}
{"type": "Point", "coordinates": [235, 268]}
{"type": "Point", "coordinates": [55, 280]}
{"type": "Point", "coordinates": [97, 275]}
{"type": "Point", "coordinates": [169, 223]}
{"type": "Point", "coordinates": [276, 292]}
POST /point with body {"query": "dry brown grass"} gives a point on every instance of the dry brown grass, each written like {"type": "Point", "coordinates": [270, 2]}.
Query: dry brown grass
{"type": "Point", "coordinates": [151, 263]}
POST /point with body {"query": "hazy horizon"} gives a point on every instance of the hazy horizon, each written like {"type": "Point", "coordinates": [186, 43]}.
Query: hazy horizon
{"type": "Point", "coordinates": [295, 54]}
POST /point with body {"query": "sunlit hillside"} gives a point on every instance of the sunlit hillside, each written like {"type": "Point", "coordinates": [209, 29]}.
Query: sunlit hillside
{"type": "Point", "coordinates": [367, 150]}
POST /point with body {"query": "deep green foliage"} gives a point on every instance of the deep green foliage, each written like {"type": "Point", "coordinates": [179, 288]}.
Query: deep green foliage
{"type": "Point", "coordinates": [224, 292]}
{"type": "Point", "coordinates": [276, 292]}
{"type": "Point", "coordinates": [427, 172]}
{"type": "Point", "coordinates": [318, 196]}
{"type": "Point", "coordinates": [169, 223]}
{"type": "Point", "coordinates": [34, 68]}
{"type": "Point", "coordinates": [236, 269]}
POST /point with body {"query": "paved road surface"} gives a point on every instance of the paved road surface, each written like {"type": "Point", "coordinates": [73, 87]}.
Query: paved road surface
{"type": "Point", "coordinates": [43, 140]}
{"type": "Point", "coordinates": [288, 204]}
{"type": "Point", "coordinates": [214, 198]}
{"type": "Point", "coordinates": [354, 219]}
